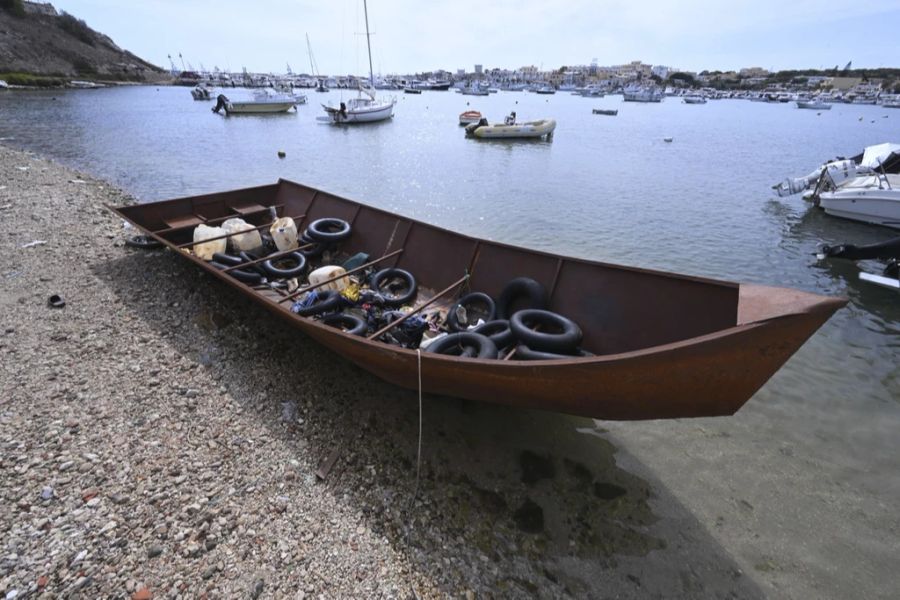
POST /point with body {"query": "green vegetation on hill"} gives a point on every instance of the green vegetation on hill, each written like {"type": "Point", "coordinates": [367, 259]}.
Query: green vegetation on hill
{"type": "Point", "coordinates": [77, 28]}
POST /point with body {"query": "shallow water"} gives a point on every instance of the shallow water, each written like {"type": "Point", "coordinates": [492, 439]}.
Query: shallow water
{"type": "Point", "coordinates": [606, 188]}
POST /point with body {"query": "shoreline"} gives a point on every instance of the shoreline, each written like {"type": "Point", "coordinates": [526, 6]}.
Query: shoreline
{"type": "Point", "coordinates": [160, 431]}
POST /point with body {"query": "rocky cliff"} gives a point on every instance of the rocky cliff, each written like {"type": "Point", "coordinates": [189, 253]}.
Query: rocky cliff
{"type": "Point", "coordinates": [37, 40]}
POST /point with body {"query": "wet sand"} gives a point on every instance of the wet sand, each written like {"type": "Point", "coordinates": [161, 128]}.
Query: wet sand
{"type": "Point", "coordinates": [178, 429]}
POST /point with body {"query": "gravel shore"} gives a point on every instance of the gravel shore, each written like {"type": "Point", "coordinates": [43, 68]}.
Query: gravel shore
{"type": "Point", "coordinates": [161, 436]}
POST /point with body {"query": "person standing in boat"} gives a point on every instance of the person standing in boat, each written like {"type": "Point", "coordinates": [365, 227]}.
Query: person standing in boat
{"type": "Point", "coordinates": [510, 119]}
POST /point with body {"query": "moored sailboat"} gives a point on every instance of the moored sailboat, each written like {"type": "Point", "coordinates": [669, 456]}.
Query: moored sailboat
{"type": "Point", "coordinates": [365, 108]}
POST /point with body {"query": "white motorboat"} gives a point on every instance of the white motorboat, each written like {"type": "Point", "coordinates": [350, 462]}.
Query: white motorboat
{"type": "Point", "coordinates": [880, 158]}
{"type": "Point", "coordinates": [813, 104]}
{"type": "Point", "coordinates": [642, 94]}
{"type": "Point", "coordinates": [365, 108]}
{"type": "Point", "coordinates": [871, 198]}
{"type": "Point", "coordinates": [545, 89]}
{"type": "Point", "coordinates": [694, 100]}
{"type": "Point", "coordinates": [542, 128]}
{"type": "Point", "coordinates": [3, 85]}
{"type": "Point", "coordinates": [263, 102]}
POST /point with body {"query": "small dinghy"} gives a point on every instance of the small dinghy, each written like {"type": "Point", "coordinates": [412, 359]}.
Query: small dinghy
{"type": "Point", "coordinates": [607, 112]}
{"type": "Point", "coordinates": [469, 117]}
{"type": "Point", "coordinates": [539, 129]}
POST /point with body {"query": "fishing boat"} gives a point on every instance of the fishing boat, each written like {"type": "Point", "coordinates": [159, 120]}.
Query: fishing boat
{"type": "Point", "coordinates": [264, 102]}
{"type": "Point", "coordinates": [545, 89]}
{"type": "Point", "coordinates": [469, 117]}
{"type": "Point", "coordinates": [653, 345]}
{"type": "Point", "coordinates": [694, 100]}
{"type": "Point", "coordinates": [411, 90]}
{"type": "Point", "coordinates": [542, 128]}
{"type": "Point", "coordinates": [365, 108]}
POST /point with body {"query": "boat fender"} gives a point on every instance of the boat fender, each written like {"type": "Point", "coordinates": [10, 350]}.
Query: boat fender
{"type": "Point", "coordinates": [498, 331]}
{"type": "Point", "coordinates": [382, 276]}
{"type": "Point", "coordinates": [317, 303]}
{"type": "Point", "coordinates": [523, 352]}
{"type": "Point", "coordinates": [474, 298]}
{"type": "Point", "coordinates": [285, 273]}
{"type": "Point", "coordinates": [521, 288]}
{"type": "Point", "coordinates": [465, 344]}
{"type": "Point", "coordinates": [558, 333]}
{"type": "Point", "coordinates": [328, 230]}
{"type": "Point", "coordinates": [240, 274]}
{"type": "Point", "coordinates": [349, 323]}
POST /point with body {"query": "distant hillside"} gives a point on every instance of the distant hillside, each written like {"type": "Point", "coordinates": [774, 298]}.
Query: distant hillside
{"type": "Point", "coordinates": [37, 40]}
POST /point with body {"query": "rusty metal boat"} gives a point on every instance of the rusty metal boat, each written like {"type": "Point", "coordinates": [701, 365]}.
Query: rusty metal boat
{"type": "Point", "coordinates": [664, 345]}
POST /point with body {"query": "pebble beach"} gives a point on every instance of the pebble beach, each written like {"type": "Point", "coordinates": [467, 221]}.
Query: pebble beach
{"type": "Point", "coordinates": [164, 438]}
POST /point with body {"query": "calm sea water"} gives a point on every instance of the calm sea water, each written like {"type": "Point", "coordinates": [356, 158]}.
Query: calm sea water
{"type": "Point", "coordinates": [606, 188]}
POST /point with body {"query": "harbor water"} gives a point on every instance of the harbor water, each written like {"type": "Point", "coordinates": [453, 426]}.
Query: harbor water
{"type": "Point", "coordinates": [607, 188]}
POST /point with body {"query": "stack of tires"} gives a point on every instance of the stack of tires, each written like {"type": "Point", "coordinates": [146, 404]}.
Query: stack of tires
{"type": "Point", "coordinates": [517, 325]}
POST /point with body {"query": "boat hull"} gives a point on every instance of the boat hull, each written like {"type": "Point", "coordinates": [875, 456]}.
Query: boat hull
{"type": "Point", "coordinates": [258, 108]}
{"type": "Point", "coordinates": [666, 345]}
{"type": "Point", "coordinates": [366, 115]}
{"type": "Point", "coordinates": [876, 206]}
{"type": "Point", "coordinates": [533, 129]}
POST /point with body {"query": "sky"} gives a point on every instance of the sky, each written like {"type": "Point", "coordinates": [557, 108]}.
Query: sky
{"type": "Point", "coordinates": [419, 35]}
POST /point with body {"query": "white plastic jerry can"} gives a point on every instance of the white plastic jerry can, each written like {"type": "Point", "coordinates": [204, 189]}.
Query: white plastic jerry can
{"type": "Point", "coordinates": [284, 233]}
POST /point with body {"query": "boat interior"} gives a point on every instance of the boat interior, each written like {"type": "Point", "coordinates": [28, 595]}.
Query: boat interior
{"type": "Point", "coordinates": [620, 309]}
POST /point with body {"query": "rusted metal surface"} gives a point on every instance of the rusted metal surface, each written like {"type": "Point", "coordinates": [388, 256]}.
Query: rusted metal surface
{"type": "Point", "coordinates": [666, 345]}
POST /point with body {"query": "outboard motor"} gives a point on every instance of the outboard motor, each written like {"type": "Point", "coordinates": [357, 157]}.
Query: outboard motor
{"type": "Point", "coordinates": [470, 128]}
{"type": "Point", "coordinates": [884, 250]}
{"type": "Point", "coordinates": [221, 102]}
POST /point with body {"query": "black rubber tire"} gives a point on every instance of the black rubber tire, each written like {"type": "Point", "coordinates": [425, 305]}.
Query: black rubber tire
{"type": "Point", "coordinates": [498, 331]}
{"type": "Point", "coordinates": [317, 249]}
{"type": "Point", "coordinates": [473, 298]}
{"type": "Point", "coordinates": [354, 325]}
{"type": "Point", "coordinates": [144, 242]}
{"type": "Point", "coordinates": [390, 300]}
{"type": "Point", "coordinates": [457, 344]}
{"type": "Point", "coordinates": [523, 352]}
{"type": "Point", "coordinates": [561, 335]}
{"type": "Point", "coordinates": [250, 258]}
{"type": "Point", "coordinates": [328, 230]}
{"type": "Point", "coordinates": [329, 300]}
{"type": "Point", "coordinates": [227, 259]}
{"type": "Point", "coordinates": [250, 277]}
{"type": "Point", "coordinates": [519, 288]}
{"type": "Point", "coordinates": [278, 273]}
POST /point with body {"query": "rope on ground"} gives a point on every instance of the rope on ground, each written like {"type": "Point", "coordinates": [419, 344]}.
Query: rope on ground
{"type": "Point", "coordinates": [412, 500]}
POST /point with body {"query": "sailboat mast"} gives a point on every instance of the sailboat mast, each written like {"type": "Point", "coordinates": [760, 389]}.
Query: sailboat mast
{"type": "Point", "coordinates": [369, 44]}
